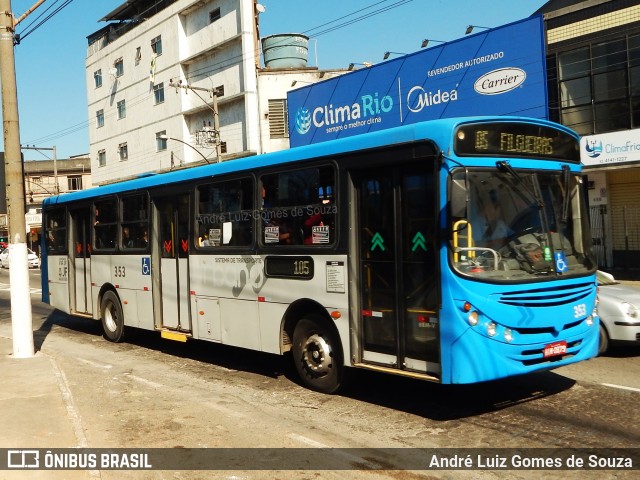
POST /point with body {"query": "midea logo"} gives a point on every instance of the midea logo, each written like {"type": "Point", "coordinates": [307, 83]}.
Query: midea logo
{"type": "Point", "coordinates": [500, 81]}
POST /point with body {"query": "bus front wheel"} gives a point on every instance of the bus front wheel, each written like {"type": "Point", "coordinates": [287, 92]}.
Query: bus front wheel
{"type": "Point", "coordinates": [317, 355]}
{"type": "Point", "coordinates": [112, 317]}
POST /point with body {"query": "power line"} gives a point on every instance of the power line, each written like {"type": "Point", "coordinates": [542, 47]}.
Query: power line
{"type": "Point", "coordinates": [22, 36]}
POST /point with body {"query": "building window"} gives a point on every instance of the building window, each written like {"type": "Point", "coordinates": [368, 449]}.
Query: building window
{"type": "Point", "coordinates": [138, 55]}
{"type": "Point", "coordinates": [122, 151]}
{"type": "Point", "coordinates": [278, 118]}
{"type": "Point", "coordinates": [100, 118]}
{"type": "Point", "coordinates": [119, 66]}
{"type": "Point", "coordinates": [74, 182]}
{"type": "Point", "coordinates": [161, 141]}
{"type": "Point", "coordinates": [102, 158]}
{"type": "Point", "coordinates": [214, 15]}
{"type": "Point", "coordinates": [97, 77]}
{"type": "Point", "coordinates": [158, 93]}
{"type": "Point", "coordinates": [122, 109]}
{"type": "Point", "coordinates": [156, 45]}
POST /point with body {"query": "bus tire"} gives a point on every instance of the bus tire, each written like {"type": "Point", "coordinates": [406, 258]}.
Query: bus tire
{"type": "Point", "coordinates": [317, 355]}
{"type": "Point", "coordinates": [603, 344]}
{"type": "Point", "coordinates": [112, 317]}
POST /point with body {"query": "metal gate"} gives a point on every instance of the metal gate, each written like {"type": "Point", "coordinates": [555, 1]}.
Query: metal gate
{"type": "Point", "coordinates": [599, 221]}
{"type": "Point", "coordinates": [616, 235]}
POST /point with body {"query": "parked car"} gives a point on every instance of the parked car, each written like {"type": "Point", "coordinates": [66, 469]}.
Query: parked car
{"type": "Point", "coordinates": [32, 259]}
{"type": "Point", "coordinates": [619, 311]}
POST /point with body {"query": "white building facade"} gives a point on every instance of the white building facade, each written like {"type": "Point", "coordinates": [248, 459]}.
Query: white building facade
{"type": "Point", "coordinates": [140, 122]}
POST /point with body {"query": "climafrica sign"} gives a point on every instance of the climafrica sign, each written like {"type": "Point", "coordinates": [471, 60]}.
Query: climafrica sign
{"type": "Point", "coordinates": [501, 71]}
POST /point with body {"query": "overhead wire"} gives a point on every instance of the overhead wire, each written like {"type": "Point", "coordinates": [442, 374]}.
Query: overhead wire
{"type": "Point", "coordinates": [44, 20]}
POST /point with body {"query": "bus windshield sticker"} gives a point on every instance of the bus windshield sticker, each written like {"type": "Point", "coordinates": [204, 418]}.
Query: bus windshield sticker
{"type": "Point", "coordinates": [271, 234]}
{"type": "Point", "coordinates": [335, 277]}
{"type": "Point", "coordinates": [214, 237]}
{"type": "Point", "coordinates": [320, 234]}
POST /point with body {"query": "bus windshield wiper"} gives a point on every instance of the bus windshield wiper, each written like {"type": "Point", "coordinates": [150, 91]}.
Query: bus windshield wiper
{"type": "Point", "coordinates": [566, 181]}
{"type": "Point", "coordinates": [504, 166]}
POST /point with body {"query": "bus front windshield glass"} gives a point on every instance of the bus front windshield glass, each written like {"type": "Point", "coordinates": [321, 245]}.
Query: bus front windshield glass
{"type": "Point", "coordinates": [518, 225]}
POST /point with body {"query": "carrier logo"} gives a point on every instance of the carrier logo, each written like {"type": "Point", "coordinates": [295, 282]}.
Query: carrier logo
{"type": "Point", "coordinates": [303, 120]}
{"type": "Point", "coordinates": [593, 148]}
{"type": "Point", "coordinates": [500, 81]}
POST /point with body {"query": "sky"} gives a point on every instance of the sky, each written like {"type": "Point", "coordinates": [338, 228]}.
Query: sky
{"type": "Point", "coordinates": [50, 59]}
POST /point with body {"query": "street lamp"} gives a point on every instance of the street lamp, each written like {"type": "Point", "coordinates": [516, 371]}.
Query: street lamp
{"type": "Point", "coordinates": [387, 54]}
{"type": "Point", "coordinates": [471, 27]}
{"type": "Point", "coordinates": [167, 137]}
{"type": "Point", "coordinates": [364, 64]}
{"type": "Point", "coordinates": [426, 41]}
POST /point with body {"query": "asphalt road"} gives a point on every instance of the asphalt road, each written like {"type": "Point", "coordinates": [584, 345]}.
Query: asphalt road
{"type": "Point", "coordinates": [148, 392]}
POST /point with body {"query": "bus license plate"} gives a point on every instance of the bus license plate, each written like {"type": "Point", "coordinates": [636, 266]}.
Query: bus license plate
{"type": "Point", "coordinates": [555, 349]}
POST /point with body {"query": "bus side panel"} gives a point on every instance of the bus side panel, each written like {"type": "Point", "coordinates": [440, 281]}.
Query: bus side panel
{"type": "Point", "coordinates": [133, 283]}
{"type": "Point", "coordinates": [100, 275]}
{"type": "Point", "coordinates": [224, 299]}
{"type": "Point", "coordinates": [58, 284]}
{"type": "Point", "coordinates": [240, 323]}
{"type": "Point", "coordinates": [271, 315]}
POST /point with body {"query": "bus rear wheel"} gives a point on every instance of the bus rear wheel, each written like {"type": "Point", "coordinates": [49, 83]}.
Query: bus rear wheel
{"type": "Point", "coordinates": [317, 355]}
{"type": "Point", "coordinates": [112, 317]}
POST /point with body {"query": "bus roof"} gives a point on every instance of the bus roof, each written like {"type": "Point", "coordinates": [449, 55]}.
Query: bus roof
{"type": "Point", "coordinates": [439, 131]}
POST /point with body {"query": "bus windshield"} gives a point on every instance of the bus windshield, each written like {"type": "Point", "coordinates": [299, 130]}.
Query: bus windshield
{"type": "Point", "coordinates": [519, 224]}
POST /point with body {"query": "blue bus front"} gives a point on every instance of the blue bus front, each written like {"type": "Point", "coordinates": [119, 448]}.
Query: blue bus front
{"type": "Point", "coordinates": [518, 274]}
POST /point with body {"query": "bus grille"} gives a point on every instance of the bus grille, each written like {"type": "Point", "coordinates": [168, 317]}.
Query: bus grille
{"type": "Point", "coordinates": [547, 297]}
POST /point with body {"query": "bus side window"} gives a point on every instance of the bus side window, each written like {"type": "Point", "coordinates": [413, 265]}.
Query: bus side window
{"type": "Point", "coordinates": [225, 214]}
{"type": "Point", "coordinates": [135, 222]}
{"type": "Point", "coordinates": [105, 224]}
{"type": "Point", "coordinates": [298, 207]}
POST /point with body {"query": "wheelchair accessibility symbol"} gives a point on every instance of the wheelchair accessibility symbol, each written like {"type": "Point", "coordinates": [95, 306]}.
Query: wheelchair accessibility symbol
{"type": "Point", "coordinates": [561, 262]}
{"type": "Point", "coordinates": [146, 266]}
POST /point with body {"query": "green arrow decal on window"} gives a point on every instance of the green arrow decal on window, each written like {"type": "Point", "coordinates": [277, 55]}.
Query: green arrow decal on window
{"type": "Point", "coordinates": [377, 241]}
{"type": "Point", "coordinates": [419, 241]}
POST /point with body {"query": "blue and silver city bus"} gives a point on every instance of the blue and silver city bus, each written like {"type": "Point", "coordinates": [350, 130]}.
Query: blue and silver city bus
{"type": "Point", "coordinates": [455, 251]}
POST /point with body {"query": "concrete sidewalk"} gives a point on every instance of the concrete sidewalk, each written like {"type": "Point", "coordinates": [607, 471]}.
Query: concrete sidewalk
{"type": "Point", "coordinates": [36, 410]}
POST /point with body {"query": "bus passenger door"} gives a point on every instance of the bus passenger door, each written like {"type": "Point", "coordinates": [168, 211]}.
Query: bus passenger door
{"type": "Point", "coordinates": [172, 215]}
{"type": "Point", "coordinates": [80, 262]}
{"type": "Point", "coordinates": [397, 272]}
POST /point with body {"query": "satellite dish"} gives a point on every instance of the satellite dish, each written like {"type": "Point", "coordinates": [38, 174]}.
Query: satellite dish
{"type": "Point", "coordinates": [113, 71]}
{"type": "Point", "coordinates": [260, 8]}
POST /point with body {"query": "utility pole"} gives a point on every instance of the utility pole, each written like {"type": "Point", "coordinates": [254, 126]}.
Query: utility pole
{"type": "Point", "coordinates": [56, 187]}
{"type": "Point", "coordinates": [216, 121]}
{"type": "Point", "coordinates": [21, 319]}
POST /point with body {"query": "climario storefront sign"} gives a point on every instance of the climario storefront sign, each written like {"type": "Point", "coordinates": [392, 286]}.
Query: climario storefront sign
{"type": "Point", "coordinates": [610, 148]}
{"type": "Point", "coordinates": [495, 72]}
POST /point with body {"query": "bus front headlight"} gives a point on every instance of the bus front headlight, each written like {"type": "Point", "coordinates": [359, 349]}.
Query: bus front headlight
{"type": "Point", "coordinates": [508, 335]}
{"type": "Point", "coordinates": [491, 329]}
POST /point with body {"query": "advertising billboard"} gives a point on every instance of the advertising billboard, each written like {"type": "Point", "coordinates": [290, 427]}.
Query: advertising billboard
{"type": "Point", "coordinates": [610, 148]}
{"type": "Point", "coordinates": [501, 71]}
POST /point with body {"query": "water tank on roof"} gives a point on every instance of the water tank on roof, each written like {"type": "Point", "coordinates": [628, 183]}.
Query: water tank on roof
{"type": "Point", "coordinates": [285, 50]}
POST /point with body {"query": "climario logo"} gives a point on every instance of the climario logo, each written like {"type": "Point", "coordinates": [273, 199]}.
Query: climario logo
{"type": "Point", "coordinates": [336, 118]}
{"type": "Point", "coordinates": [303, 120]}
{"type": "Point", "coordinates": [593, 148]}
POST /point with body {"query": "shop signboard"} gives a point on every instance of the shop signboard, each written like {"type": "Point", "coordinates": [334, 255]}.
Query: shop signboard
{"type": "Point", "coordinates": [501, 71]}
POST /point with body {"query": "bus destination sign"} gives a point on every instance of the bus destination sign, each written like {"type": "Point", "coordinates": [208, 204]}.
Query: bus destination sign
{"type": "Point", "coordinates": [516, 140]}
